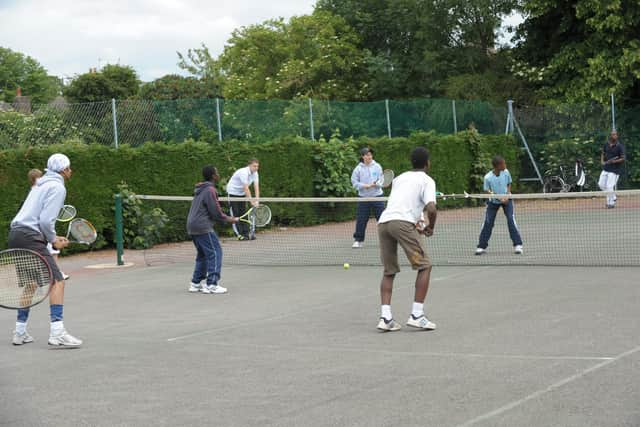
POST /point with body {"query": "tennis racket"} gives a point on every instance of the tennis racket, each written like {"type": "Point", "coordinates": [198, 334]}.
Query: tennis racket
{"type": "Point", "coordinates": [25, 278]}
{"type": "Point", "coordinates": [66, 214]}
{"type": "Point", "coordinates": [258, 216]}
{"type": "Point", "coordinates": [81, 231]}
{"type": "Point", "coordinates": [387, 178]}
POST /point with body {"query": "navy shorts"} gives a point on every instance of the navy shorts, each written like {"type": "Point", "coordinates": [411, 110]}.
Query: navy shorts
{"type": "Point", "coordinates": [27, 238]}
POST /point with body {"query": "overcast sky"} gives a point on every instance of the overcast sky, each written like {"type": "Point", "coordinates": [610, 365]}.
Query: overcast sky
{"type": "Point", "coordinates": [70, 36]}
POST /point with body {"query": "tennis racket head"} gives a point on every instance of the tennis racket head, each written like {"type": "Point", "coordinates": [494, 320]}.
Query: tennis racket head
{"type": "Point", "coordinates": [82, 231]}
{"type": "Point", "coordinates": [387, 177]}
{"type": "Point", "coordinates": [25, 278]}
{"type": "Point", "coordinates": [67, 213]}
{"type": "Point", "coordinates": [261, 215]}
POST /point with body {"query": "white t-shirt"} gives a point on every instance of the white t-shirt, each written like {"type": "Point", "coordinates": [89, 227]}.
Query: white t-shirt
{"type": "Point", "coordinates": [240, 178]}
{"type": "Point", "coordinates": [410, 192]}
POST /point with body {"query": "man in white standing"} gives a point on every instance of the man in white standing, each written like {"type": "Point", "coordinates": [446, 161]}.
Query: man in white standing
{"type": "Point", "coordinates": [412, 198]}
{"type": "Point", "coordinates": [611, 158]}
{"type": "Point", "coordinates": [238, 186]}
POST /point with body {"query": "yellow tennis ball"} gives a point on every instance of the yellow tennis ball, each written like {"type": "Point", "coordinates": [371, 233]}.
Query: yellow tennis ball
{"type": "Point", "coordinates": [346, 265]}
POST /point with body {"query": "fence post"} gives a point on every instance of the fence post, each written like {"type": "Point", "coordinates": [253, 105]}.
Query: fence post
{"type": "Point", "coordinates": [115, 123]}
{"type": "Point", "coordinates": [386, 106]}
{"type": "Point", "coordinates": [219, 120]}
{"type": "Point", "coordinates": [509, 127]}
{"type": "Point", "coordinates": [311, 119]}
{"type": "Point", "coordinates": [613, 112]}
{"type": "Point", "coordinates": [455, 119]}
{"type": "Point", "coordinates": [119, 230]}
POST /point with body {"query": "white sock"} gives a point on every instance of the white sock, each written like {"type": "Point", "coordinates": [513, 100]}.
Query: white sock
{"type": "Point", "coordinates": [57, 327]}
{"type": "Point", "coordinates": [417, 309]}
{"type": "Point", "coordinates": [21, 328]}
{"type": "Point", "coordinates": [385, 311]}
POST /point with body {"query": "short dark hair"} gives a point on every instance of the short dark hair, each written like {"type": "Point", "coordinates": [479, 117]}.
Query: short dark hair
{"type": "Point", "coordinates": [497, 160]}
{"type": "Point", "coordinates": [208, 172]}
{"type": "Point", "coordinates": [419, 158]}
{"type": "Point", "coordinates": [253, 160]}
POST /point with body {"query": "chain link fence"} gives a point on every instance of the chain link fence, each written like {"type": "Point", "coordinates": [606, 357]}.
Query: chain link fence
{"type": "Point", "coordinates": [556, 135]}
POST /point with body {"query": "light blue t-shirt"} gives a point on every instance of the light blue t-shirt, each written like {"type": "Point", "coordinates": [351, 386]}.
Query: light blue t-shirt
{"type": "Point", "coordinates": [497, 184]}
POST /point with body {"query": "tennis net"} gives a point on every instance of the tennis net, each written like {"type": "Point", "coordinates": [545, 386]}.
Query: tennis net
{"type": "Point", "coordinates": [574, 229]}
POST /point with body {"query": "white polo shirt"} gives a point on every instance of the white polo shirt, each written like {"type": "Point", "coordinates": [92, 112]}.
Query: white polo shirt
{"type": "Point", "coordinates": [410, 192]}
{"type": "Point", "coordinates": [240, 178]}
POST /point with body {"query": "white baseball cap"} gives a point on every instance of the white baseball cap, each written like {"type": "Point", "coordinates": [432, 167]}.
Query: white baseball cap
{"type": "Point", "coordinates": [58, 162]}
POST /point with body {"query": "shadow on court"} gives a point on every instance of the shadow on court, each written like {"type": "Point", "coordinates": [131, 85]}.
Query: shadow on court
{"type": "Point", "coordinates": [543, 346]}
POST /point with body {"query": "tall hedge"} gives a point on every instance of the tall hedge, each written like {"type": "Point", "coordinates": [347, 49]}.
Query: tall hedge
{"type": "Point", "coordinates": [288, 168]}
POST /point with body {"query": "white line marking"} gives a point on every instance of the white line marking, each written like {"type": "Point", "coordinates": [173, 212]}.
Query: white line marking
{"type": "Point", "coordinates": [412, 353]}
{"type": "Point", "coordinates": [306, 310]}
{"type": "Point", "coordinates": [552, 387]}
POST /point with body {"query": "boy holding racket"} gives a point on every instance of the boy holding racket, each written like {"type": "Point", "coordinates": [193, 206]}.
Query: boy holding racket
{"type": "Point", "coordinates": [498, 181]}
{"type": "Point", "coordinates": [412, 198]}
{"type": "Point", "coordinates": [365, 178]}
{"type": "Point", "coordinates": [32, 228]}
{"type": "Point", "coordinates": [238, 186]}
{"type": "Point", "coordinates": [205, 209]}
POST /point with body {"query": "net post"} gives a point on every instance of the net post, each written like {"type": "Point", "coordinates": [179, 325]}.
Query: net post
{"type": "Point", "coordinates": [119, 230]}
{"type": "Point", "coordinates": [386, 106]}
{"type": "Point", "coordinates": [455, 118]}
{"type": "Point", "coordinates": [311, 119]}
{"type": "Point", "coordinates": [219, 120]}
{"type": "Point", "coordinates": [115, 122]}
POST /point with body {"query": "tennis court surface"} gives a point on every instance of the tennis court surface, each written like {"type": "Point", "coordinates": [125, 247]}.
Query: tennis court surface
{"type": "Point", "coordinates": [297, 346]}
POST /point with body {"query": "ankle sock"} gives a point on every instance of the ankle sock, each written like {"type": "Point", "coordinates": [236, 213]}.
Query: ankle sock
{"type": "Point", "coordinates": [417, 309]}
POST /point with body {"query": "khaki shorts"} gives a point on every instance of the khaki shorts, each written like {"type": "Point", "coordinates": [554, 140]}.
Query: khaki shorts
{"type": "Point", "coordinates": [405, 234]}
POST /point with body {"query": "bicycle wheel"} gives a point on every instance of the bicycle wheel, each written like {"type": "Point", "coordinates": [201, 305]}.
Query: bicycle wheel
{"type": "Point", "coordinates": [553, 184]}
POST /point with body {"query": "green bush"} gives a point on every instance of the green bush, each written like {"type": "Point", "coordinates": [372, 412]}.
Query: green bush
{"type": "Point", "coordinates": [289, 167]}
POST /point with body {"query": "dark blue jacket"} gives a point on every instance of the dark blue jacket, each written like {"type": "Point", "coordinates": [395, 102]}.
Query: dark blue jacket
{"type": "Point", "coordinates": [205, 209]}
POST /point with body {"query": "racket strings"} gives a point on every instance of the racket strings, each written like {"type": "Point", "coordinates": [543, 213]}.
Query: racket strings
{"type": "Point", "coordinates": [262, 215]}
{"type": "Point", "coordinates": [81, 231]}
{"type": "Point", "coordinates": [25, 279]}
{"type": "Point", "coordinates": [67, 213]}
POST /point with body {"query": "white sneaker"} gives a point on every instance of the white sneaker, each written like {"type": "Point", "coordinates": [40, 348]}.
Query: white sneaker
{"type": "Point", "coordinates": [64, 339]}
{"type": "Point", "coordinates": [19, 339]}
{"type": "Point", "coordinates": [388, 325]}
{"type": "Point", "coordinates": [213, 289]}
{"type": "Point", "coordinates": [65, 276]}
{"type": "Point", "coordinates": [195, 287]}
{"type": "Point", "coordinates": [517, 249]}
{"type": "Point", "coordinates": [357, 244]}
{"type": "Point", "coordinates": [421, 323]}
{"type": "Point", "coordinates": [480, 251]}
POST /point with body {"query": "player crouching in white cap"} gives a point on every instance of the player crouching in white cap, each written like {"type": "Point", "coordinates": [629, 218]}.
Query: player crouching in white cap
{"type": "Point", "coordinates": [32, 228]}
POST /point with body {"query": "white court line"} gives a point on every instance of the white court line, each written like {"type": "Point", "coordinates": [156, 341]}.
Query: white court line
{"type": "Point", "coordinates": [306, 310]}
{"type": "Point", "coordinates": [552, 387]}
{"type": "Point", "coordinates": [415, 353]}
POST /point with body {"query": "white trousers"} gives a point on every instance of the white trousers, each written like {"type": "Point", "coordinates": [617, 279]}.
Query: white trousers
{"type": "Point", "coordinates": [607, 182]}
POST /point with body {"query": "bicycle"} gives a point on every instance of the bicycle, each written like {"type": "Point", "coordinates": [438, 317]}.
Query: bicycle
{"type": "Point", "coordinates": [565, 183]}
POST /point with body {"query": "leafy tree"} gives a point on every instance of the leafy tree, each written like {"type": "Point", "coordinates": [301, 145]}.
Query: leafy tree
{"type": "Point", "coordinates": [19, 70]}
{"type": "Point", "coordinates": [416, 45]}
{"type": "Point", "coordinates": [581, 50]}
{"type": "Point", "coordinates": [113, 81]}
{"type": "Point", "coordinates": [172, 86]}
{"type": "Point", "coordinates": [314, 55]}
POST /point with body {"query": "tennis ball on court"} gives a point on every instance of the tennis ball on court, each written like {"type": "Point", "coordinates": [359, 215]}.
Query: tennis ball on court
{"type": "Point", "coordinates": [346, 265]}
